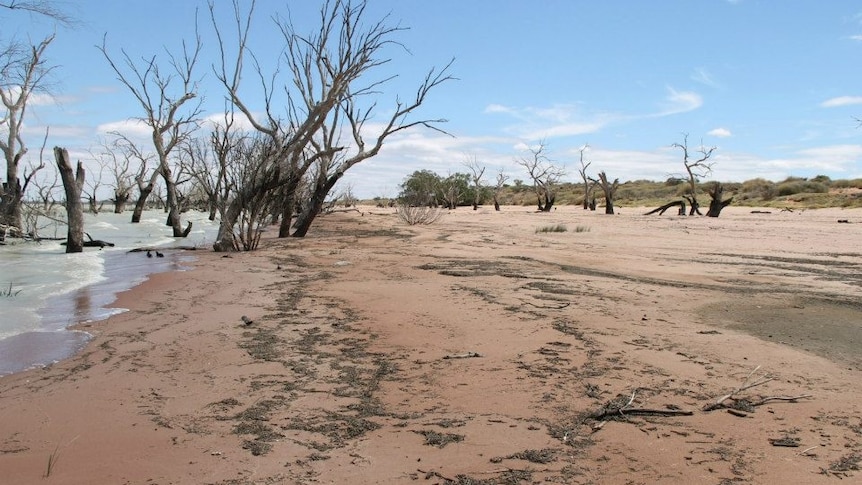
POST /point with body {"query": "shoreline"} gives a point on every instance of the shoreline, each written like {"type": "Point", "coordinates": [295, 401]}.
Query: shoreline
{"type": "Point", "coordinates": [359, 365]}
{"type": "Point", "coordinates": [64, 316]}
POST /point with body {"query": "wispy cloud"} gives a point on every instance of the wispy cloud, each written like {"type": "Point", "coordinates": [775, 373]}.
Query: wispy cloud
{"type": "Point", "coordinates": [703, 76]}
{"type": "Point", "coordinates": [720, 132]}
{"type": "Point", "coordinates": [841, 101]}
{"type": "Point", "coordinates": [554, 121]}
{"type": "Point", "coordinates": [132, 128]}
{"type": "Point", "coordinates": [678, 102]}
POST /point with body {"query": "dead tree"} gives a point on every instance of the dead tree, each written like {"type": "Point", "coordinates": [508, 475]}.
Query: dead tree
{"type": "Point", "coordinates": [716, 192]}
{"type": "Point", "coordinates": [94, 183]}
{"type": "Point", "coordinates": [696, 169]}
{"type": "Point", "coordinates": [356, 118]}
{"type": "Point", "coordinates": [501, 182]}
{"type": "Point", "coordinates": [117, 163]}
{"type": "Point", "coordinates": [325, 69]}
{"type": "Point", "coordinates": [661, 210]}
{"type": "Point", "coordinates": [145, 182]}
{"type": "Point", "coordinates": [609, 189]}
{"type": "Point", "coordinates": [73, 185]}
{"type": "Point", "coordinates": [169, 110]}
{"type": "Point", "coordinates": [589, 184]}
{"type": "Point", "coordinates": [23, 72]}
{"type": "Point", "coordinates": [476, 173]}
{"type": "Point", "coordinates": [206, 160]}
{"type": "Point", "coordinates": [544, 174]}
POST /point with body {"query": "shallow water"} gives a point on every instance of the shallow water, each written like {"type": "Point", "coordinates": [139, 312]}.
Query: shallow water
{"type": "Point", "coordinates": [43, 290]}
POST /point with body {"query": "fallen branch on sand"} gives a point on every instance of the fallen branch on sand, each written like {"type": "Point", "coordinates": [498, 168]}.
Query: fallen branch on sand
{"type": "Point", "coordinates": [748, 405]}
{"type": "Point", "coordinates": [616, 409]}
{"type": "Point", "coordinates": [548, 307]}
{"type": "Point", "coordinates": [466, 355]}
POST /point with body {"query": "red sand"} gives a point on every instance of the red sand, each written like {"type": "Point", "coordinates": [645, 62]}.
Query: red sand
{"type": "Point", "coordinates": [473, 349]}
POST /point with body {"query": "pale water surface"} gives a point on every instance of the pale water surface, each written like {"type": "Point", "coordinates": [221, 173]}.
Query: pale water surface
{"type": "Point", "coordinates": [44, 290]}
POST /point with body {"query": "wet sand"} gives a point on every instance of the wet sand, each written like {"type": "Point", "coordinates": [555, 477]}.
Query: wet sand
{"type": "Point", "coordinates": [474, 350]}
{"type": "Point", "coordinates": [55, 340]}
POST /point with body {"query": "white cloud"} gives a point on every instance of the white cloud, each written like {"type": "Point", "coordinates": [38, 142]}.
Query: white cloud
{"type": "Point", "coordinates": [132, 128]}
{"type": "Point", "coordinates": [497, 108]}
{"type": "Point", "coordinates": [720, 133]}
{"type": "Point", "coordinates": [857, 38]}
{"type": "Point", "coordinates": [841, 101]}
{"type": "Point", "coordinates": [678, 102]}
{"type": "Point", "coordinates": [556, 121]}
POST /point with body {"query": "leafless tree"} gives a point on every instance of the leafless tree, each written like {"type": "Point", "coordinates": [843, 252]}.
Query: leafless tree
{"type": "Point", "coordinates": [23, 72]}
{"type": "Point", "coordinates": [589, 184]}
{"type": "Point", "coordinates": [73, 184]}
{"type": "Point", "coordinates": [168, 100]}
{"type": "Point", "coordinates": [207, 159]}
{"type": "Point", "coordinates": [145, 181]}
{"type": "Point", "coordinates": [498, 187]}
{"type": "Point", "coordinates": [46, 8]}
{"type": "Point", "coordinates": [325, 69]}
{"type": "Point", "coordinates": [696, 169]}
{"type": "Point", "coordinates": [609, 189]}
{"type": "Point", "coordinates": [94, 182]}
{"type": "Point", "coordinates": [117, 163]}
{"type": "Point", "coordinates": [477, 171]}
{"type": "Point", "coordinates": [544, 174]}
{"type": "Point", "coordinates": [46, 189]}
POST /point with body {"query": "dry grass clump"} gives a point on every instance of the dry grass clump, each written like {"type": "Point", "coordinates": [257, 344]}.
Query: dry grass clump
{"type": "Point", "coordinates": [555, 228]}
{"type": "Point", "coordinates": [414, 215]}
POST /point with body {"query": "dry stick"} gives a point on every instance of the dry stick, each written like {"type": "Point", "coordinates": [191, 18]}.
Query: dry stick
{"type": "Point", "coordinates": [741, 388]}
{"type": "Point", "coordinates": [781, 398]}
{"type": "Point", "coordinates": [548, 307]}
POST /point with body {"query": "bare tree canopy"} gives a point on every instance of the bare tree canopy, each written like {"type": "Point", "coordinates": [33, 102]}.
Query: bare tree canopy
{"type": "Point", "coordinates": [171, 107]}
{"type": "Point", "coordinates": [46, 8]}
{"type": "Point", "coordinates": [327, 93]}
{"type": "Point", "coordinates": [23, 72]}
{"type": "Point", "coordinates": [544, 174]}
{"type": "Point", "coordinates": [697, 167]}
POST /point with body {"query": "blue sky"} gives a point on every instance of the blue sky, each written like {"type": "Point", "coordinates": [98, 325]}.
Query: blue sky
{"type": "Point", "coordinates": [775, 85]}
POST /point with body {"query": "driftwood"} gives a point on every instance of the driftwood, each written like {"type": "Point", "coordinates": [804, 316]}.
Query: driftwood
{"type": "Point", "coordinates": [661, 210]}
{"type": "Point", "coordinates": [94, 243]}
{"type": "Point", "coordinates": [150, 248]}
{"type": "Point", "coordinates": [466, 355]}
{"type": "Point", "coordinates": [746, 405]}
{"type": "Point", "coordinates": [617, 409]}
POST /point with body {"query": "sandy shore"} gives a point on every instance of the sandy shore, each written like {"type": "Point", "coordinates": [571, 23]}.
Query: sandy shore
{"type": "Point", "coordinates": [475, 350]}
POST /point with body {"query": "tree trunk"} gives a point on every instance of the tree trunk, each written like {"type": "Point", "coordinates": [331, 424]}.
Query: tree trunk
{"type": "Point", "coordinates": [549, 202]}
{"type": "Point", "coordinates": [226, 239]}
{"type": "Point", "coordinates": [120, 200]}
{"type": "Point", "coordinates": [145, 191]}
{"type": "Point", "coordinates": [173, 206]}
{"type": "Point", "coordinates": [695, 206]}
{"type": "Point", "coordinates": [73, 185]}
{"type": "Point", "coordinates": [496, 203]}
{"type": "Point", "coordinates": [212, 202]}
{"type": "Point", "coordinates": [10, 203]}
{"type": "Point", "coordinates": [315, 205]}
{"type": "Point", "coordinates": [716, 204]}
